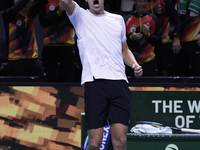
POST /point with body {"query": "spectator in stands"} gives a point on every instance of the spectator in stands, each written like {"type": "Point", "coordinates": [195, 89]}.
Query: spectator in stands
{"type": "Point", "coordinates": [143, 33]}
{"type": "Point", "coordinates": [171, 27]}
{"type": "Point", "coordinates": [59, 43]}
{"type": "Point", "coordinates": [20, 37]}
{"type": "Point", "coordinates": [187, 61]}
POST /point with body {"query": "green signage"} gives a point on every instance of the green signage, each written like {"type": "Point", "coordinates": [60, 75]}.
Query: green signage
{"type": "Point", "coordinates": [171, 108]}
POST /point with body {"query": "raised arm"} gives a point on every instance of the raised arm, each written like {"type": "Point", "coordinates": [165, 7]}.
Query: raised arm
{"type": "Point", "coordinates": [129, 59]}
{"type": "Point", "coordinates": [69, 6]}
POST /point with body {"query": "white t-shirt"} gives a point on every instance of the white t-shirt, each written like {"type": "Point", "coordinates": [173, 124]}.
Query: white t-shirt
{"type": "Point", "coordinates": [100, 39]}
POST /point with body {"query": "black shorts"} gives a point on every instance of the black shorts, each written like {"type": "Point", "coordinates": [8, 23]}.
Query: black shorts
{"type": "Point", "coordinates": [106, 99]}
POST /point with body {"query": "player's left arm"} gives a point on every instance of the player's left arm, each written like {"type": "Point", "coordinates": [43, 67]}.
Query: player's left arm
{"type": "Point", "coordinates": [129, 59]}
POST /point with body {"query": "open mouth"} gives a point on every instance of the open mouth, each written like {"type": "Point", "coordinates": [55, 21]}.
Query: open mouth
{"type": "Point", "coordinates": [96, 2]}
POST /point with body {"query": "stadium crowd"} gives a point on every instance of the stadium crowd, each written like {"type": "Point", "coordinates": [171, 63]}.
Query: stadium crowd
{"type": "Point", "coordinates": [164, 36]}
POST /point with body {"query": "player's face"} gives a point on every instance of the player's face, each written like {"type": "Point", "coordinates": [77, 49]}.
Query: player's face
{"type": "Point", "coordinates": [96, 6]}
{"type": "Point", "coordinates": [140, 5]}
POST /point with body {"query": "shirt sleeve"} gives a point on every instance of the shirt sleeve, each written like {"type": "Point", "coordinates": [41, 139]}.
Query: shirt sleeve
{"type": "Point", "coordinates": [76, 16]}
{"type": "Point", "coordinates": [123, 37]}
{"type": "Point", "coordinates": [156, 38]}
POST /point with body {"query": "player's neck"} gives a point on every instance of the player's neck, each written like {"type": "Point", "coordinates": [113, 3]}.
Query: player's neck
{"type": "Point", "coordinates": [99, 12]}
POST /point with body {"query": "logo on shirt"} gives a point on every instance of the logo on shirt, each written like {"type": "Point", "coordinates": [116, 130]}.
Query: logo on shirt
{"type": "Point", "coordinates": [19, 22]}
{"type": "Point", "coordinates": [51, 7]}
{"type": "Point", "coordinates": [132, 29]}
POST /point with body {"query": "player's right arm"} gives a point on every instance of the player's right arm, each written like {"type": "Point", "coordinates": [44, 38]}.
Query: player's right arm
{"type": "Point", "coordinates": [69, 6]}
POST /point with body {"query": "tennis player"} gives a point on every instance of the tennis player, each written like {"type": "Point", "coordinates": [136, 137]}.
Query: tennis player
{"type": "Point", "coordinates": [103, 51]}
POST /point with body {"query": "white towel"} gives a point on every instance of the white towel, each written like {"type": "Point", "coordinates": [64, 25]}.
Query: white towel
{"type": "Point", "coordinates": [150, 129]}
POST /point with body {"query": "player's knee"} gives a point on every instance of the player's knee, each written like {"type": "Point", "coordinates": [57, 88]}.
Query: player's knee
{"type": "Point", "coordinates": [120, 142]}
{"type": "Point", "coordinates": [94, 144]}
